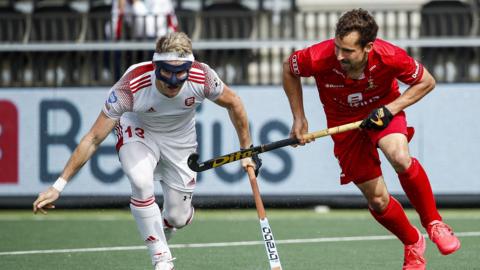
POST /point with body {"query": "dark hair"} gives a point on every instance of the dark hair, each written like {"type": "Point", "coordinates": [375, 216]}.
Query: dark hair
{"type": "Point", "coordinates": [357, 20]}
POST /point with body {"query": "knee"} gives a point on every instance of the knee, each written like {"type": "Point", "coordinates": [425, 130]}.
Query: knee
{"type": "Point", "coordinates": [378, 203]}
{"type": "Point", "coordinates": [176, 219]}
{"type": "Point", "coordinates": [141, 184]}
{"type": "Point", "coordinates": [400, 160]}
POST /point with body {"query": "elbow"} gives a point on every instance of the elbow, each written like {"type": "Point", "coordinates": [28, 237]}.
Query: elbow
{"type": "Point", "coordinates": [286, 66]}
{"type": "Point", "coordinates": [430, 83]}
{"type": "Point", "coordinates": [236, 105]}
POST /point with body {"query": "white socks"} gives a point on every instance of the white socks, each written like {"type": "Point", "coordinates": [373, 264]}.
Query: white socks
{"type": "Point", "coordinates": [150, 224]}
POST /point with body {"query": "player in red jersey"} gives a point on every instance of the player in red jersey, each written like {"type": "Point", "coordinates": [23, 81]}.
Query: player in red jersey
{"type": "Point", "coordinates": [356, 75]}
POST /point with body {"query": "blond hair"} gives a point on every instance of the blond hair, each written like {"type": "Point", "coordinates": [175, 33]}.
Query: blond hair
{"type": "Point", "coordinates": [177, 42]}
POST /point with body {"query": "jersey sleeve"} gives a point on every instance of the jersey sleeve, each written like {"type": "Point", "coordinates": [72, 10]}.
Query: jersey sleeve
{"type": "Point", "coordinates": [213, 84]}
{"type": "Point", "coordinates": [409, 70]}
{"type": "Point", "coordinates": [300, 63]}
{"type": "Point", "coordinates": [120, 100]}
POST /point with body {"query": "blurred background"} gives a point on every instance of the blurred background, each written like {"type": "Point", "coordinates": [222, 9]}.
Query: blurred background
{"type": "Point", "coordinates": [58, 59]}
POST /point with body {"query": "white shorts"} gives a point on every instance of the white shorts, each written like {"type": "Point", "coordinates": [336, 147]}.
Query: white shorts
{"type": "Point", "coordinates": [171, 152]}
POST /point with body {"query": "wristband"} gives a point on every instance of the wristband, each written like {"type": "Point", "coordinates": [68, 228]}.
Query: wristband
{"type": "Point", "coordinates": [59, 185]}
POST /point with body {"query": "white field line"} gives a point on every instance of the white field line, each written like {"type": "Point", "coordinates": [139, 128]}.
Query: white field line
{"type": "Point", "coordinates": [224, 244]}
{"type": "Point", "coordinates": [116, 218]}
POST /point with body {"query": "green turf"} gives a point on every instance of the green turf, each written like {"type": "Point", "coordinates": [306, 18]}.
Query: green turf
{"type": "Point", "coordinates": [22, 231]}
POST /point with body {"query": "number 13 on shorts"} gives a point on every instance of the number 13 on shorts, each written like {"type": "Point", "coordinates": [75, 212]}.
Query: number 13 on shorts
{"type": "Point", "coordinates": [139, 132]}
{"type": "Point", "coordinates": [127, 134]}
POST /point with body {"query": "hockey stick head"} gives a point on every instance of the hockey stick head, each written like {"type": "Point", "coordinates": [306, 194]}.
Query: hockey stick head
{"type": "Point", "coordinates": [193, 163]}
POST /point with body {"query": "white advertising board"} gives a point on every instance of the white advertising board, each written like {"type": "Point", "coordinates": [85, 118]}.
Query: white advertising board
{"type": "Point", "coordinates": [50, 122]}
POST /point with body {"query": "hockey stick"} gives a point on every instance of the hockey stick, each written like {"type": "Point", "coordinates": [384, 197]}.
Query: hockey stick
{"type": "Point", "coordinates": [225, 159]}
{"type": "Point", "coordinates": [267, 233]}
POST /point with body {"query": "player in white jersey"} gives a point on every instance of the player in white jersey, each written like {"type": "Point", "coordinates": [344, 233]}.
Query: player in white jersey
{"type": "Point", "coordinates": [152, 108]}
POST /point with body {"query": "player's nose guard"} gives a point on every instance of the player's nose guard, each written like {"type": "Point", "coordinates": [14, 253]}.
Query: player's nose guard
{"type": "Point", "coordinates": [173, 80]}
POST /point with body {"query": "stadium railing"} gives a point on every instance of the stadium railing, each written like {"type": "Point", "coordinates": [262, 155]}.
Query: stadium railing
{"type": "Point", "coordinates": [246, 47]}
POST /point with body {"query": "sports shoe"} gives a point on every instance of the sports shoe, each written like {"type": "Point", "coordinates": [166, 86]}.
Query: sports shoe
{"type": "Point", "coordinates": [414, 259]}
{"type": "Point", "coordinates": [163, 261]}
{"type": "Point", "coordinates": [164, 265]}
{"type": "Point", "coordinates": [442, 235]}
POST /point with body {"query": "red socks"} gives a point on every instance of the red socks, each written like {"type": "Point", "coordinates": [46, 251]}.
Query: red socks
{"type": "Point", "coordinates": [416, 185]}
{"type": "Point", "coordinates": [395, 220]}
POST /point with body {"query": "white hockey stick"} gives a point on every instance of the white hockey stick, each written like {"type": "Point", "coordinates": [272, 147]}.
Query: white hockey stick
{"type": "Point", "coordinates": [267, 233]}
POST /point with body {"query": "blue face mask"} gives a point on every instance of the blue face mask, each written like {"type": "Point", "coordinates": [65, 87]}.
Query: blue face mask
{"type": "Point", "coordinates": [173, 80]}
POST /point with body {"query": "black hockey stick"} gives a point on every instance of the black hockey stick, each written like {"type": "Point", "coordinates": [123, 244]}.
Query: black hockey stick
{"type": "Point", "coordinates": [225, 159]}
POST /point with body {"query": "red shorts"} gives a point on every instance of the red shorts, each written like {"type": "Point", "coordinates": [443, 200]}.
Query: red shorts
{"type": "Point", "coordinates": [357, 152]}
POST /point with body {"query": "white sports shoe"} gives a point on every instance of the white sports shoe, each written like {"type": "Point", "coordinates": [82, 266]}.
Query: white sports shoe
{"type": "Point", "coordinates": [165, 265]}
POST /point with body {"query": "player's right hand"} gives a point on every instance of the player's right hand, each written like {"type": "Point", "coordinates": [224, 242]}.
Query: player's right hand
{"type": "Point", "coordinates": [300, 127]}
{"type": "Point", "coordinates": [45, 200]}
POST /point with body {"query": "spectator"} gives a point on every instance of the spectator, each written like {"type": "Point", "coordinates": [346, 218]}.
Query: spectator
{"type": "Point", "coordinates": [159, 19]}
{"type": "Point", "coordinates": [122, 14]}
{"type": "Point", "coordinates": [142, 19]}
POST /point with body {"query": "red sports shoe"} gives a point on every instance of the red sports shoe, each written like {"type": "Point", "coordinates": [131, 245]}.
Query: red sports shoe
{"type": "Point", "coordinates": [414, 259]}
{"type": "Point", "coordinates": [442, 235]}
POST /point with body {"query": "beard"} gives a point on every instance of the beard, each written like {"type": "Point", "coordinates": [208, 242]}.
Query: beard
{"type": "Point", "coordinates": [346, 65]}
{"type": "Point", "coordinates": [349, 65]}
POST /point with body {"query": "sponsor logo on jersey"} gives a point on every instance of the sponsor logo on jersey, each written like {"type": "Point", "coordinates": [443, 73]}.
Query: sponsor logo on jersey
{"type": "Point", "coordinates": [189, 101]}
{"type": "Point", "coordinates": [338, 72]}
{"type": "Point", "coordinates": [356, 100]}
{"type": "Point", "coordinates": [294, 62]}
{"type": "Point", "coordinates": [112, 98]}
{"type": "Point", "coordinates": [371, 84]}
{"type": "Point", "coordinates": [331, 85]}
{"type": "Point", "coordinates": [417, 69]}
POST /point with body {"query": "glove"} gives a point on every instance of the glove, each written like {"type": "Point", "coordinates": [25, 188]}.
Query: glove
{"type": "Point", "coordinates": [257, 160]}
{"type": "Point", "coordinates": [258, 163]}
{"type": "Point", "coordinates": [378, 119]}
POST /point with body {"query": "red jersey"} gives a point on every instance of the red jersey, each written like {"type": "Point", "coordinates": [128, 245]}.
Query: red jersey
{"type": "Point", "coordinates": [344, 99]}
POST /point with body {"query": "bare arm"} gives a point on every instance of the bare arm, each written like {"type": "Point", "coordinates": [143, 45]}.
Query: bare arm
{"type": "Point", "coordinates": [293, 89]}
{"type": "Point", "coordinates": [82, 153]}
{"type": "Point", "coordinates": [88, 145]}
{"type": "Point", "coordinates": [232, 102]}
{"type": "Point", "coordinates": [413, 94]}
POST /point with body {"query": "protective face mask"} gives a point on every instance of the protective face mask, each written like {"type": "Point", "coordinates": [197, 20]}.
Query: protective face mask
{"type": "Point", "coordinates": [173, 80]}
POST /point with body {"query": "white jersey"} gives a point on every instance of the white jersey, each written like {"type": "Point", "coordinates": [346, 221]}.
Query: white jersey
{"type": "Point", "coordinates": [136, 92]}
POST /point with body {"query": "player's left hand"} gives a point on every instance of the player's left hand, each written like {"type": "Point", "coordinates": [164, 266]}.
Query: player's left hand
{"type": "Point", "coordinates": [378, 119]}
{"type": "Point", "coordinates": [255, 161]}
